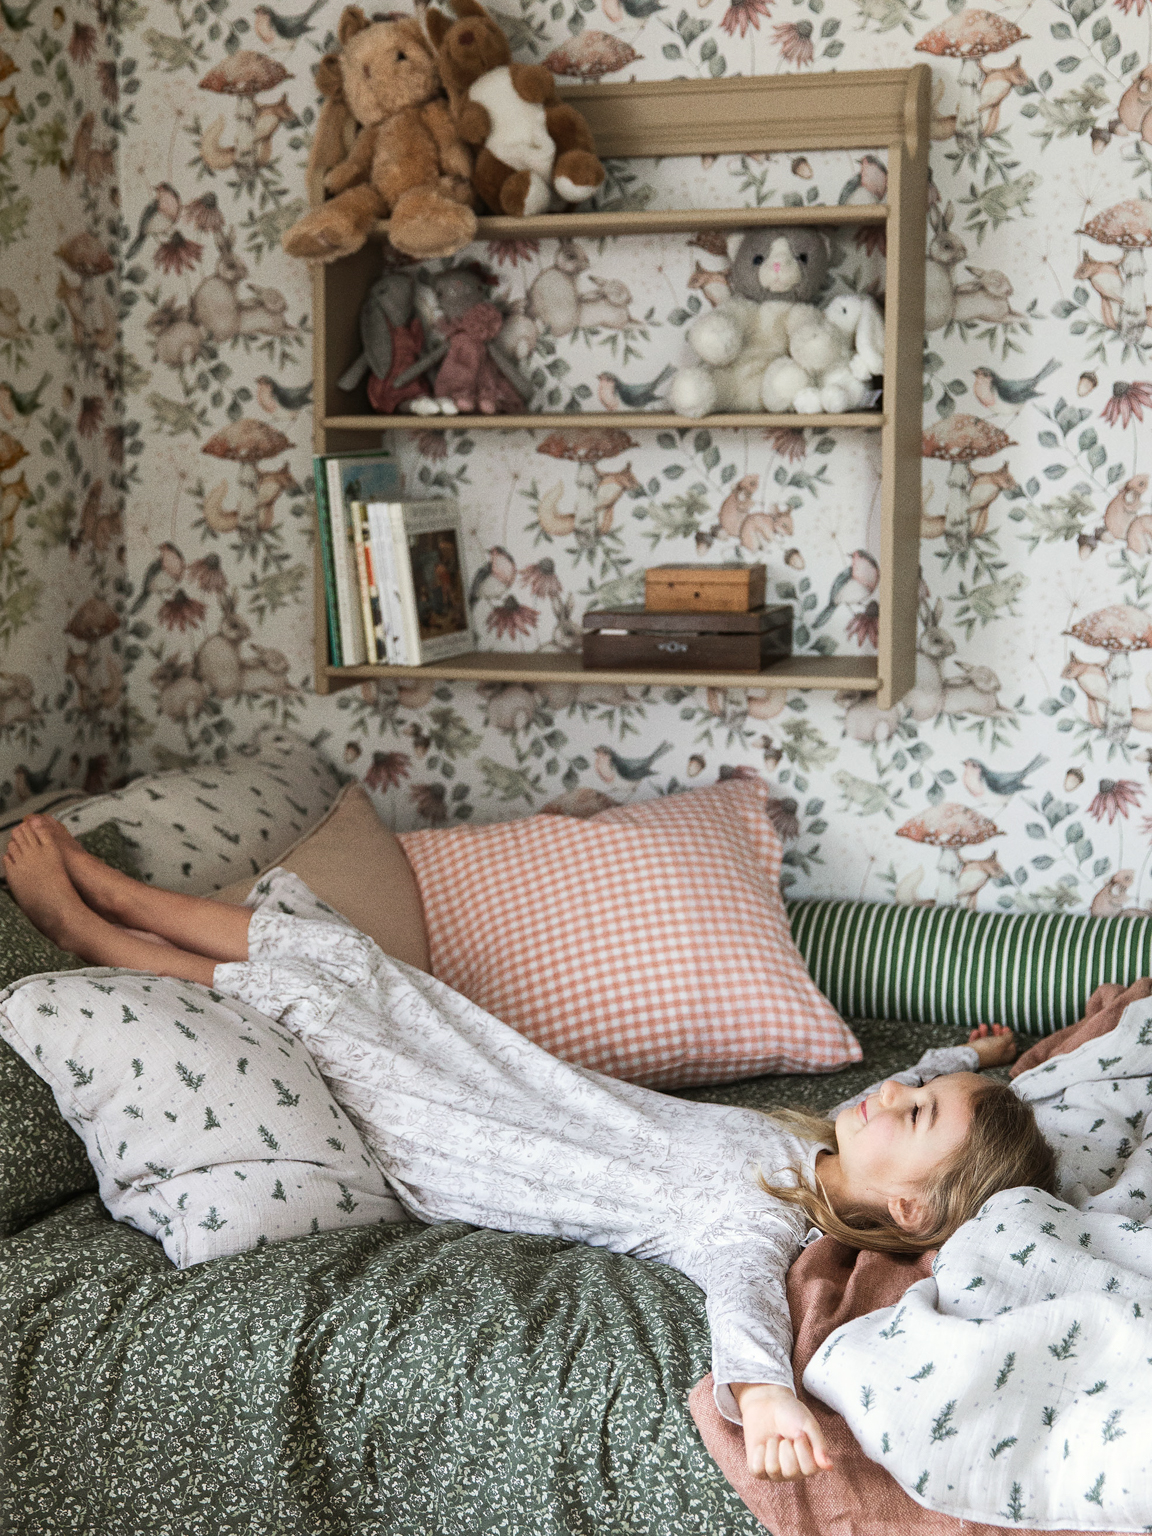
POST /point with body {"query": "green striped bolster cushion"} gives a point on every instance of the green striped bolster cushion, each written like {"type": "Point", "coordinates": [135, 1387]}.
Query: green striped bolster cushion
{"type": "Point", "coordinates": [944, 965]}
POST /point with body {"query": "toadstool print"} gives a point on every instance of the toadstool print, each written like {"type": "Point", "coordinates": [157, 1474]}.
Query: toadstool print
{"type": "Point", "coordinates": [1119, 630]}
{"type": "Point", "coordinates": [949, 827]}
{"type": "Point", "coordinates": [970, 36]}
{"type": "Point", "coordinates": [1128, 225]}
{"type": "Point", "coordinates": [591, 55]}
{"type": "Point", "coordinates": [244, 442]}
{"type": "Point", "coordinates": [243, 75]}
{"type": "Point", "coordinates": [957, 440]}
{"type": "Point", "coordinates": [98, 679]}
{"type": "Point", "coordinates": [93, 316]}
{"type": "Point", "coordinates": [585, 446]}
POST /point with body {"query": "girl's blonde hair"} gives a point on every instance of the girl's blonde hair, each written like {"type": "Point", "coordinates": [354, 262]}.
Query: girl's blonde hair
{"type": "Point", "coordinates": [1003, 1150]}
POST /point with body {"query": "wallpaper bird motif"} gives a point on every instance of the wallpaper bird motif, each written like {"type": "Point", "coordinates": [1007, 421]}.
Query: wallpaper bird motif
{"type": "Point", "coordinates": [155, 503]}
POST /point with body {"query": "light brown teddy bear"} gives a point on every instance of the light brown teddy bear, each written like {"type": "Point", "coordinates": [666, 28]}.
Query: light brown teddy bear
{"type": "Point", "coordinates": [407, 161]}
{"type": "Point", "coordinates": [530, 142]}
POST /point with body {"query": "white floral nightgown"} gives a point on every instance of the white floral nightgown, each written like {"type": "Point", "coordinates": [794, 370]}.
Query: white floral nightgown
{"type": "Point", "coordinates": [470, 1121]}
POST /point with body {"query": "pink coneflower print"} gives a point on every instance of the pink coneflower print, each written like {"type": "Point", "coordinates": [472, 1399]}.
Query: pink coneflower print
{"type": "Point", "coordinates": [794, 41]}
{"type": "Point", "coordinates": [788, 442]}
{"type": "Point", "coordinates": [1128, 401]}
{"type": "Point", "coordinates": [1115, 797]}
{"type": "Point", "coordinates": [429, 800]}
{"type": "Point", "coordinates": [511, 618]}
{"type": "Point", "coordinates": [114, 442]}
{"type": "Point", "coordinates": [541, 578]}
{"type": "Point", "coordinates": [204, 214]}
{"type": "Point", "coordinates": [1131, 5]}
{"type": "Point", "coordinates": [432, 445]}
{"type": "Point", "coordinates": [742, 14]}
{"type": "Point", "coordinates": [83, 43]}
{"type": "Point", "coordinates": [178, 254]}
{"type": "Point", "coordinates": [109, 85]}
{"type": "Point", "coordinates": [512, 252]}
{"type": "Point", "coordinates": [387, 768]}
{"type": "Point", "coordinates": [782, 815]}
{"type": "Point", "coordinates": [208, 574]}
{"type": "Point", "coordinates": [864, 627]}
{"type": "Point", "coordinates": [181, 611]}
{"type": "Point", "coordinates": [91, 415]}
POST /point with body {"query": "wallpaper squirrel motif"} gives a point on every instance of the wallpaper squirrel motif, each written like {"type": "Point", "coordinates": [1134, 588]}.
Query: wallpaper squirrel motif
{"type": "Point", "coordinates": [155, 501]}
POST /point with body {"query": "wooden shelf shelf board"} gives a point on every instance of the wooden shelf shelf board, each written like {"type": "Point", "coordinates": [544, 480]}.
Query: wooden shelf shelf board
{"type": "Point", "coordinates": [595, 222]}
{"type": "Point", "coordinates": [545, 422]}
{"type": "Point", "coordinates": [856, 672]}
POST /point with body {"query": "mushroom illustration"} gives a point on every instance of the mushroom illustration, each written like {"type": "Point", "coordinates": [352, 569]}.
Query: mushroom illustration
{"type": "Point", "coordinates": [585, 446]}
{"type": "Point", "coordinates": [959, 439]}
{"type": "Point", "coordinates": [98, 683]}
{"type": "Point", "coordinates": [949, 827]}
{"type": "Point", "coordinates": [242, 75]}
{"type": "Point", "coordinates": [245, 442]}
{"type": "Point", "coordinates": [591, 55]}
{"type": "Point", "coordinates": [1119, 630]}
{"type": "Point", "coordinates": [1128, 225]}
{"type": "Point", "coordinates": [969, 36]}
{"type": "Point", "coordinates": [93, 318]}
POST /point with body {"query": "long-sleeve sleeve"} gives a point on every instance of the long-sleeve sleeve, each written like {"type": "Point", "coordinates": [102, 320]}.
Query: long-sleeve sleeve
{"type": "Point", "coordinates": [938, 1063]}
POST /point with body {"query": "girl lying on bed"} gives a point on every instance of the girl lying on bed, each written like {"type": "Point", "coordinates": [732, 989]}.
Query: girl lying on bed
{"type": "Point", "coordinates": [471, 1122]}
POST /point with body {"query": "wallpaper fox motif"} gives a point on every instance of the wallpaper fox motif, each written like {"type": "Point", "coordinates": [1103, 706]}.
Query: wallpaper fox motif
{"type": "Point", "coordinates": [155, 502]}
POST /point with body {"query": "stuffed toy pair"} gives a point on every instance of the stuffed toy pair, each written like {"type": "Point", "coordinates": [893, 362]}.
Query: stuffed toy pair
{"type": "Point", "coordinates": [528, 143]}
{"type": "Point", "coordinates": [768, 347]}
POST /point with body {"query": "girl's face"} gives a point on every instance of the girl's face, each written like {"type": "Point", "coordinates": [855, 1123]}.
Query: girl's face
{"type": "Point", "coordinates": [891, 1144]}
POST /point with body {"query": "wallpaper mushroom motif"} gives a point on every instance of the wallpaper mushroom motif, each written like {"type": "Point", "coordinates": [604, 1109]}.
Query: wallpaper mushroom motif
{"type": "Point", "coordinates": [156, 487]}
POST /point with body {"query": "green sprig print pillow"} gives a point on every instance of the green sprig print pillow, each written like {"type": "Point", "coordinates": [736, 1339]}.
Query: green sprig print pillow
{"type": "Point", "coordinates": [42, 1161]}
{"type": "Point", "coordinates": [208, 1126]}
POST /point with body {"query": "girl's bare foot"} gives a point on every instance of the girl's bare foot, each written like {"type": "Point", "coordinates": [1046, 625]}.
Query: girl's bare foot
{"type": "Point", "coordinates": [995, 1044]}
{"type": "Point", "coordinates": [37, 877]}
{"type": "Point", "coordinates": [102, 888]}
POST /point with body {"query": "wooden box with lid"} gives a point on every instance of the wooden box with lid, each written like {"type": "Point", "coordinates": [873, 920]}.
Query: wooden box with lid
{"type": "Point", "coordinates": [704, 642]}
{"type": "Point", "coordinates": [731, 588]}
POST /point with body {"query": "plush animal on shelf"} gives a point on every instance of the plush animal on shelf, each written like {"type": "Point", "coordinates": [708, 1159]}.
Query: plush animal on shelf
{"type": "Point", "coordinates": [529, 143]}
{"type": "Point", "coordinates": [407, 161]}
{"type": "Point", "coordinates": [473, 372]}
{"type": "Point", "coordinates": [775, 270]}
{"type": "Point", "coordinates": [392, 335]}
{"type": "Point", "coordinates": [832, 354]}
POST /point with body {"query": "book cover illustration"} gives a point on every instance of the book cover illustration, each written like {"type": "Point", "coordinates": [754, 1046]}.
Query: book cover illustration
{"type": "Point", "coordinates": [438, 579]}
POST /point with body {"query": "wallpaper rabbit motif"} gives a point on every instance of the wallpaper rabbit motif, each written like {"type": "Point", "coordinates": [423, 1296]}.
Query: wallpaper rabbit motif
{"type": "Point", "coordinates": [155, 502]}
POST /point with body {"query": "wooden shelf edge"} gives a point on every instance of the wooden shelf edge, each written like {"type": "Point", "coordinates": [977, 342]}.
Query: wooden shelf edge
{"type": "Point", "coordinates": [657, 221]}
{"type": "Point", "coordinates": [858, 673]}
{"type": "Point", "coordinates": [869, 421]}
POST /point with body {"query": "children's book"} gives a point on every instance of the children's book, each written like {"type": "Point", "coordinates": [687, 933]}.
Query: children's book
{"type": "Point", "coordinates": [324, 527]}
{"type": "Point", "coordinates": [370, 609]}
{"type": "Point", "coordinates": [427, 585]}
{"type": "Point", "coordinates": [350, 477]}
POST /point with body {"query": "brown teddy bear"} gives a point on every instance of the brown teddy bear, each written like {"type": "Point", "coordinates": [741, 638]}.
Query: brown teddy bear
{"type": "Point", "coordinates": [407, 161]}
{"type": "Point", "coordinates": [530, 142]}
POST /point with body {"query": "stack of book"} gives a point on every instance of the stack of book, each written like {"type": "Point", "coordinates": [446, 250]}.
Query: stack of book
{"type": "Point", "coordinates": [394, 579]}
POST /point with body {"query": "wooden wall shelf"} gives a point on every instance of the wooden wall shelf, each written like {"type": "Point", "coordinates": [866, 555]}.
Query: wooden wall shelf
{"type": "Point", "coordinates": [857, 672]}
{"type": "Point", "coordinates": [859, 110]}
{"type": "Point", "coordinates": [547, 421]}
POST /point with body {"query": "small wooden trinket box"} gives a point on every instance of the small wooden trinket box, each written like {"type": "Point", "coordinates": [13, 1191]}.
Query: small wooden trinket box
{"type": "Point", "coordinates": [731, 588]}
{"type": "Point", "coordinates": [687, 642]}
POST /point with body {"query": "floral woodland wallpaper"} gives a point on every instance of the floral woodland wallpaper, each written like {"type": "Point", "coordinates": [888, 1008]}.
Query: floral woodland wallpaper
{"type": "Point", "coordinates": [156, 596]}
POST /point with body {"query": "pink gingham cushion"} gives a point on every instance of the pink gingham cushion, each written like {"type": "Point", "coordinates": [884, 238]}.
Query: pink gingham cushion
{"type": "Point", "coordinates": [649, 942]}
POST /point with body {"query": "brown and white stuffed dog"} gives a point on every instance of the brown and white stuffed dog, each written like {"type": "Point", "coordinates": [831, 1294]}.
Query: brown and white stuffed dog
{"type": "Point", "coordinates": [530, 143]}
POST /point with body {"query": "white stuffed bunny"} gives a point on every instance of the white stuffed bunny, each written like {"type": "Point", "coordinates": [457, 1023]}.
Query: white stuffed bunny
{"type": "Point", "coordinates": [858, 316]}
{"type": "Point", "coordinates": [832, 354]}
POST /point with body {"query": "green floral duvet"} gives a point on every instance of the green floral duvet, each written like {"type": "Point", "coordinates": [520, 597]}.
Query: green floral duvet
{"type": "Point", "coordinates": [421, 1381]}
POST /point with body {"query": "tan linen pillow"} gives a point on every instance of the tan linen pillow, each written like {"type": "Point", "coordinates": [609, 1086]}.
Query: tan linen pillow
{"type": "Point", "coordinates": [353, 862]}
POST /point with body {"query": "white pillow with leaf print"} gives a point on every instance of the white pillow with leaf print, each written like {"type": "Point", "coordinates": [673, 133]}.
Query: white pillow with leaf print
{"type": "Point", "coordinates": [209, 1127]}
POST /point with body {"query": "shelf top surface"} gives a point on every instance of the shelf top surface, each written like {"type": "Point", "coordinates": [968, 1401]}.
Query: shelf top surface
{"type": "Point", "coordinates": [591, 421]}
{"type": "Point", "coordinates": [825, 672]}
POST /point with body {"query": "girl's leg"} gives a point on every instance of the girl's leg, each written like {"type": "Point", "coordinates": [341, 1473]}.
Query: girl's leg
{"type": "Point", "coordinates": [192, 923]}
{"type": "Point", "coordinates": [39, 881]}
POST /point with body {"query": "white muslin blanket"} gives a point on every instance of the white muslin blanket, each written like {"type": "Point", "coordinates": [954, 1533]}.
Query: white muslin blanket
{"type": "Point", "coordinates": [1015, 1386]}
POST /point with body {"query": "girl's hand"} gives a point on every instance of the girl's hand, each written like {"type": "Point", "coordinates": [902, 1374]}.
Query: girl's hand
{"type": "Point", "coordinates": [995, 1044]}
{"type": "Point", "coordinates": [782, 1439]}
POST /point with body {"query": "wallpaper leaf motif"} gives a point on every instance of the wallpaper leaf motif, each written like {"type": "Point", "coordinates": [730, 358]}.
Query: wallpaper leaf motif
{"type": "Point", "coordinates": [155, 590]}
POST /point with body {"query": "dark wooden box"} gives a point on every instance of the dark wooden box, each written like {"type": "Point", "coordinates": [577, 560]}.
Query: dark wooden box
{"type": "Point", "coordinates": [693, 642]}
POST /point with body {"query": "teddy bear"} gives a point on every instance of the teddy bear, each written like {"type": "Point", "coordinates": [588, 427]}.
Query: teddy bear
{"type": "Point", "coordinates": [529, 143]}
{"type": "Point", "coordinates": [832, 354]}
{"type": "Point", "coordinates": [407, 161]}
{"type": "Point", "coordinates": [775, 274]}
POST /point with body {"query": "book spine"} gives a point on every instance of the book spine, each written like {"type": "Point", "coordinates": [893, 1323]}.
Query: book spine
{"type": "Point", "coordinates": [369, 629]}
{"type": "Point", "coordinates": [390, 607]}
{"type": "Point", "coordinates": [344, 570]}
{"type": "Point", "coordinates": [327, 535]}
{"type": "Point", "coordinates": [406, 587]}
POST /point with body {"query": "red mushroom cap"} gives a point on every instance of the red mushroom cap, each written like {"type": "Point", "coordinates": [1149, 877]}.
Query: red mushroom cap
{"type": "Point", "coordinates": [1119, 628]}
{"type": "Point", "coordinates": [591, 55]}
{"type": "Point", "coordinates": [245, 73]}
{"type": "Point", "coordinates": [586, 445]}
{"type": "Point", "coordinates": [246, 441]}
{"type": "Point", "coordinates": [92, 621]}
{"type": "Point", "coordinates": [949, 826]}
{"type": "Point", "coordinates": [959, 438]}
{"type": "Point", "coordinates": [85, 255]}
{"type": "Point", "coordinates": [970, 35]}
{"type": "Point", "coordinates": [1127, 224]}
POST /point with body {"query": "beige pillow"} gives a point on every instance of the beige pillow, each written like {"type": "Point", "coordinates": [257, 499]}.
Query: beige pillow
{"type": "Point", "coordinates": [353, 862]}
